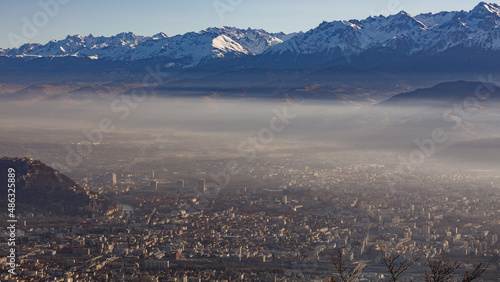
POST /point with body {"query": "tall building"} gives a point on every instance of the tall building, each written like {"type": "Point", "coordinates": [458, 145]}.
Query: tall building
{"type": "Point", "coordinates": [426, 229]}
{"type": "Point", "coordinates": [396, 219]}
{"type": "Point", "coordinates": [180, 186]}
{"type": "Point", "coordinates": [284, 200]}
{"type": "Point", "coordinates": [154, 185]}
{"type": "Point", "coordinates": [201, 185]}
{"type": "Point", "coordinates": [112, 178]}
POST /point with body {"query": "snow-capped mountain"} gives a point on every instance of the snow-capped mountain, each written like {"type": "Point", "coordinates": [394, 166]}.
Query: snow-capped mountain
{"type": "Point", "coordinates": [192, 47]}
{"type": "Point", "coordinates": [80, 46]}
{"type": "Point", "coordinates": [424, 33]}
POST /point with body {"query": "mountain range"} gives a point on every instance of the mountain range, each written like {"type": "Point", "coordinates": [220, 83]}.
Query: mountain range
{"type": "Point", "coordinates": [353, 61]}
{"type": "Point", "coordinates": [424, 34]}
{"type": "Point", "coordinates": [189, 49]}
{"type": "Point", "coordinates": [403, 34]}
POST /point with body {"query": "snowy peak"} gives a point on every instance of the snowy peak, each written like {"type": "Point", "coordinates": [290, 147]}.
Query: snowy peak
{"type": "Point", "coordinates": [254, 41]}
{"type": "Point", "coordinates": [429, 34]}
{"type": "Point", "coordinates": [126, 38]}
{"type": "Point", "coordinates": [190, 48]}
{"type": "Point", "coordinates": [159, 35]}
{"type": "Point", "coordinates": [435, 20]}
{"type": "Point", "coordinates": [223, 45]}
{"type": "Point", "coordinates": [425, 34]}
{"type": "Point", "coordinates": [74, 38]}
{"type": "Point", "coordinates": [485, 9]}
{"type": "Point", "coordinates": [404, 22]}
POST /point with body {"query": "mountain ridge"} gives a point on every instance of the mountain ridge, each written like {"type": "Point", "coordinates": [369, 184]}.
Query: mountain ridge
{"type": "Point", "coordinates": [191, 48]}
{"type": "Point", "coordinates": [447, 93]}
{"type": "Point", "coordinates": [423, 34]}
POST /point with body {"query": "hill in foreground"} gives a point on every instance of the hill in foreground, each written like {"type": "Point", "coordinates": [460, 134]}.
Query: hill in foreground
{"type": "Point", "coordinates": [42, 190]}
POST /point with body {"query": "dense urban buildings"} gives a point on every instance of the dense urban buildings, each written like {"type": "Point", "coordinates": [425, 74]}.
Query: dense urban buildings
{"type": "Point", "coordinates": [261, 230]}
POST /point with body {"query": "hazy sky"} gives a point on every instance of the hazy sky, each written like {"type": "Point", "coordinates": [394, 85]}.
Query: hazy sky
{"type": "Point", "coordinates": [109, 17]}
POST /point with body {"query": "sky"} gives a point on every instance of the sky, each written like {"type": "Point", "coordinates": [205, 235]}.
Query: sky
{"type": "Point", "coordinates": [39, 21]}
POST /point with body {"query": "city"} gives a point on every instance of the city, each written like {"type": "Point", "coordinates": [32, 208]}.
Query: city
{"type": "Point", "coordinates": [233, 140]}
{"type": "Point", "coordinates": [180, 230]}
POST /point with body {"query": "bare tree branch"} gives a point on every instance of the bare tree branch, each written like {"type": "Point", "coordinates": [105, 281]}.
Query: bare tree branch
{"type": "Point", "coordinates": [476, 273]}
{"type": "Point", "coordinates": [396, 266]}
{"type": "Point", "coordinates": [340, 264]}
{"type": "Point", "coordinates": [440, 271]}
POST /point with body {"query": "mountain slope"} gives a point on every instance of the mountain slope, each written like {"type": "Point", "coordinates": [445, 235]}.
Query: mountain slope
{"type": "Point", "coordinates": [401, 34]}
{"type": "Point", "coordinates": [448, 111]}
{"type": "Point", "coordinates": [445, 94]}
{"type": "Point", "coordinates": [190, 48]}
{"type": "Point", "coordinates": [41, 189]}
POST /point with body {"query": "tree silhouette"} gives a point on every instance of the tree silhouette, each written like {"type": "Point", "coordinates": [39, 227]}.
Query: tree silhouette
{"type": "Point", "coordinates": [441, 271]}
{"type": "Point", "coordinates": [396, 265]}
{"type": "Point", "coordinates": [345, 274]}
{"type": "Point", "coordinates": [476, 273]}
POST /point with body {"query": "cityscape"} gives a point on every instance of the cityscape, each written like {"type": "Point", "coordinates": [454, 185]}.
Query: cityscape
{"type": "Point", "coordinates": [254, 140]}
{"type": "Point", "coordinates": [180, 229]}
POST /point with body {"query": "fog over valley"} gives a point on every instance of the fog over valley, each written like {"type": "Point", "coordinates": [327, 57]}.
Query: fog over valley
{"type": "Point", "coordinates": [205, 128]}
